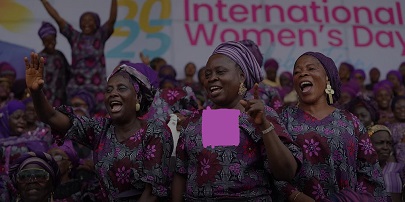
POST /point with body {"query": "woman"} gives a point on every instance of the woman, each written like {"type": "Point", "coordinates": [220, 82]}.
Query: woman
{"type": "Point", "coordinates": [381, 138]}
{"type": "Point", "coordinates": [88, 69]}
{"type": "Point", "coordinates": [395, 77]}
{"type": "Point", "coordinates": [345, 72]}
{"type": "Point", "coordinates": [234, 173]}
{"type": "Point", "coordinates": [34, 175]}
{"type": "Point", "coordinates": [383, 95]}
{"type": "Point", "coordinates": [16, 141]}
{"type": "Point", "coordinates": [56, 66]}
{"type": "Point", "coordinates": [70, 188]}
{"type": "Point", "coordinates": [398, 129]}
{"type": "Point", "coordinates": [340, 163]}
{"type": "Point", "coordinates": [131, 155]}
{"type": "Point", "coordinates": [287, 92]}
{"type": "Point", "coordinates": [365, 110]}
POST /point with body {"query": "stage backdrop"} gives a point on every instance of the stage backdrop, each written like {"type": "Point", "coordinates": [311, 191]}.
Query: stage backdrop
{"type": "Point", "coordinates": [366, 33]}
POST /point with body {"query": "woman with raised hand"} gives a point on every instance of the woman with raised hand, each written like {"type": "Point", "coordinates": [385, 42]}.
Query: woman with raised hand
{"type": "Point", "coordinates": [242, 172]}
{"type": "Point", "coordinates": [88, 69]}
{"type": "Point", "coordinates": [131, 155]}
{"type": "Point", "coordinates": [340, 163]}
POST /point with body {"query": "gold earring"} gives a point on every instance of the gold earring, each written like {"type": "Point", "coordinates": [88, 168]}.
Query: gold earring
{"type": "Point", "coordinates": [330, 92]}
{"type": "Point", "coordinates": [242, 89]}
{"type": "Point", "coordinates": [137, 107]}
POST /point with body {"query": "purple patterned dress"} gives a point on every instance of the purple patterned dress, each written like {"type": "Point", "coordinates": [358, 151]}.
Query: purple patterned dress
{"type": "Point", "coordinates": [398, 137]}
{"type": "Point", "coordinates": [228, 172]}
{"type": "Point", "coordinates": [340, 163]}
{"type": "Point", "coordinates": [56, 76]}
{"type": "Point", "coordinates": [88, 61]}
{"type": "Point", "coordinates": [268, 94]}
{"type": "Point", "coordinates": [125, 167]}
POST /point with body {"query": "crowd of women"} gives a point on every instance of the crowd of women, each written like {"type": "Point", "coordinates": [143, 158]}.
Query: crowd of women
{"type": "Point", "coordinates": [318, 133]}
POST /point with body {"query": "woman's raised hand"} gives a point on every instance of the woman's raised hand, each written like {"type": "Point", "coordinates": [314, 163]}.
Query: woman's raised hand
{"type": "Point", "coordinates": [255, 107]}
{"type": "Point", "coordinates": [34, 69]}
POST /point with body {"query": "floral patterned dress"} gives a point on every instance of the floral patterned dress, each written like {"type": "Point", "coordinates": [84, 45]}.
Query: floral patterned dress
{"type": "Point", "coordinates": [169, 101]}
{"type": "Point", "coordinates": [398, 137]}
{"type": "Point", "coordinates": [56, 76]}
{"type": "Point", "coordinates": [268, 94]}
{"type": "Point", "coordinates": [124, 167]}
{"type": "Point", "coordinates": [88, 61]}
{"type": "Point", "coordinates": [228, 172]}
{"type": "Point", "coordinates": [340, 163]}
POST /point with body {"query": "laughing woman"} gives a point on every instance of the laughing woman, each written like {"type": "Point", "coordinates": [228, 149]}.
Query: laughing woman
{"type": "Point", "coordinates": [131, 156]}
{"type": "Point", "coordinates": [340, 163]}
{"type": "Point", "coordinates": [234, 173]}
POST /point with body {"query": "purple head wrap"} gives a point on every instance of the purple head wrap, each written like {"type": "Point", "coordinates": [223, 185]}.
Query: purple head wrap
{"type": "Point", "coordinates": [46, 29]}
{"type": "Point", "coordinates": [42, 159]}
{"type": "Point", "coordinates": [5, 112]}
{"type": "Point", "coordinates": [164, 68]}
{"type": "Point", "coordinates": [331, 72]}
{"type": "Point", "coordinates": [370, 105]}
{"type": "Point", "coordinates": [86, 97]}
{"type": "Point", "coordinates": [27, 100]}
{"type": "Point", "coordinates": [145, 78]}
{"type": "Point", "coordinates": [352, 88]}
{"type": "Point", "coordinates": [349, 66]}
{"type": "Point", "coordinates": [288, 75]}
{"type": "Point", "coordinates": [95, 16]}
{"type": "Point", "coordinates": [254, 49]}
{"type": "Point", "coordinates": [383, 85]}
{"type": "Point", "coordinates": [271, 64]}
{"type": "Point", "coordinates": [68, 148]}
{"type": "Point", "coordinates": [397, 74]}
{"type": "Point", "coordinates": [246, 60]}
{"type": "Point", "coordinates": [359, 71]}
{"type": "Point", "coordinates": [6, 69]}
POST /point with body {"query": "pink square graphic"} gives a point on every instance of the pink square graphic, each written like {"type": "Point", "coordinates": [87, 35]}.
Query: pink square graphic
{"type": "Point", "coordinates": [220, 127]}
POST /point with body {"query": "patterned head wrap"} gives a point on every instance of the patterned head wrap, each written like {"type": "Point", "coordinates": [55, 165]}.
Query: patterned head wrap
{"type": "Point", "coordinates": [95, 16]}
{"type": "Point", "coordinates": [68, 148]}
{"type": "Point", "coordinates": [331, 72]}
{"type": "Point", "coordinates": [376, 128]}
{"type": "Point", "coordinates": [397, 74]}
{"type": "Point", "coordinates": [366, 102]}
{"type": "Point", "coordinates": [351, 87]}
{"type": "Point", "coordinates": [46, 29]}
{"type": "Point", "coordinates": [86, 97]}
{"type": "Point", "coordinates": [6, 69]}
{"type": "Point", "coordinates": [145, 82]}
{"type": "Point", "coordinates": [39, 158]}
{"type": "Point", "coordinates": [246, 60]}
{"type": "Point", "coordinates": [271, 64]}
{"type": "Point", "coordinates": [5, 112]}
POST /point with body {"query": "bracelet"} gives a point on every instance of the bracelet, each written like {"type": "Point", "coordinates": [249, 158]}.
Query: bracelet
{"type": "Point", "coordinates": [270, 128]}
{"type": "Point", "coordinates": [296, 195]}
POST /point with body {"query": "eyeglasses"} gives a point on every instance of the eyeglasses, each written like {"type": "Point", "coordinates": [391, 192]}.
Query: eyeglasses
{"type": "Point", "coordinates": [32, 175]}
{"type": "Point", "coordinates": [59, 158]}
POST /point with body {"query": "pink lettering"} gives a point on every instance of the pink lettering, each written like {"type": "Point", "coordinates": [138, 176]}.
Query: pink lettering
{"type": "Point", "coordinates": [284, 36]}
{"type": "Point", "coordinates": [401, 39]}
{"type": "Point", "coordinates": [236, 10]}
{"type": "Point", "coordinates": [312, 34]}
{"type": "Point", "coordinates": [357, 14]}
{"type": "Point", "coordinates": [381, 34]}
{"type": "Point", "coordinates": [254, 11]}
{"type": "Point", "coordinates": [301, 9]}
{"type": "Point", "coordinates": [364, 33]}
{"type": "Point", "coordinates": [280, 11]}
{"type": "Point", "coordinates": [314, 7]}
{"type": "Point", "coordinates": [399, 13]}
{"type": "Point", "coordinates": [220, 7]}
{"type": "Point", "coordinates": [186, 10]}
{"type": "Point", "coordinates": [388, 11]}
{"type": "Point", "coordinates": [334, 35]}
{"type": "Point", "coordinates": [258, 35]}
{"type": "Point", "coordinates": [335, 15]}
{"type": "Point", "coordinates": [196, 10]}
{"type": "Point", "coordinates": [231, 31]}
{"type": "Point", "coordinates": [201, 29]}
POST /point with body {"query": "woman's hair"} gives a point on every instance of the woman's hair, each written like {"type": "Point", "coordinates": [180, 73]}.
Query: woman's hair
{"type": "Point", "coordinates": [369, 104]}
